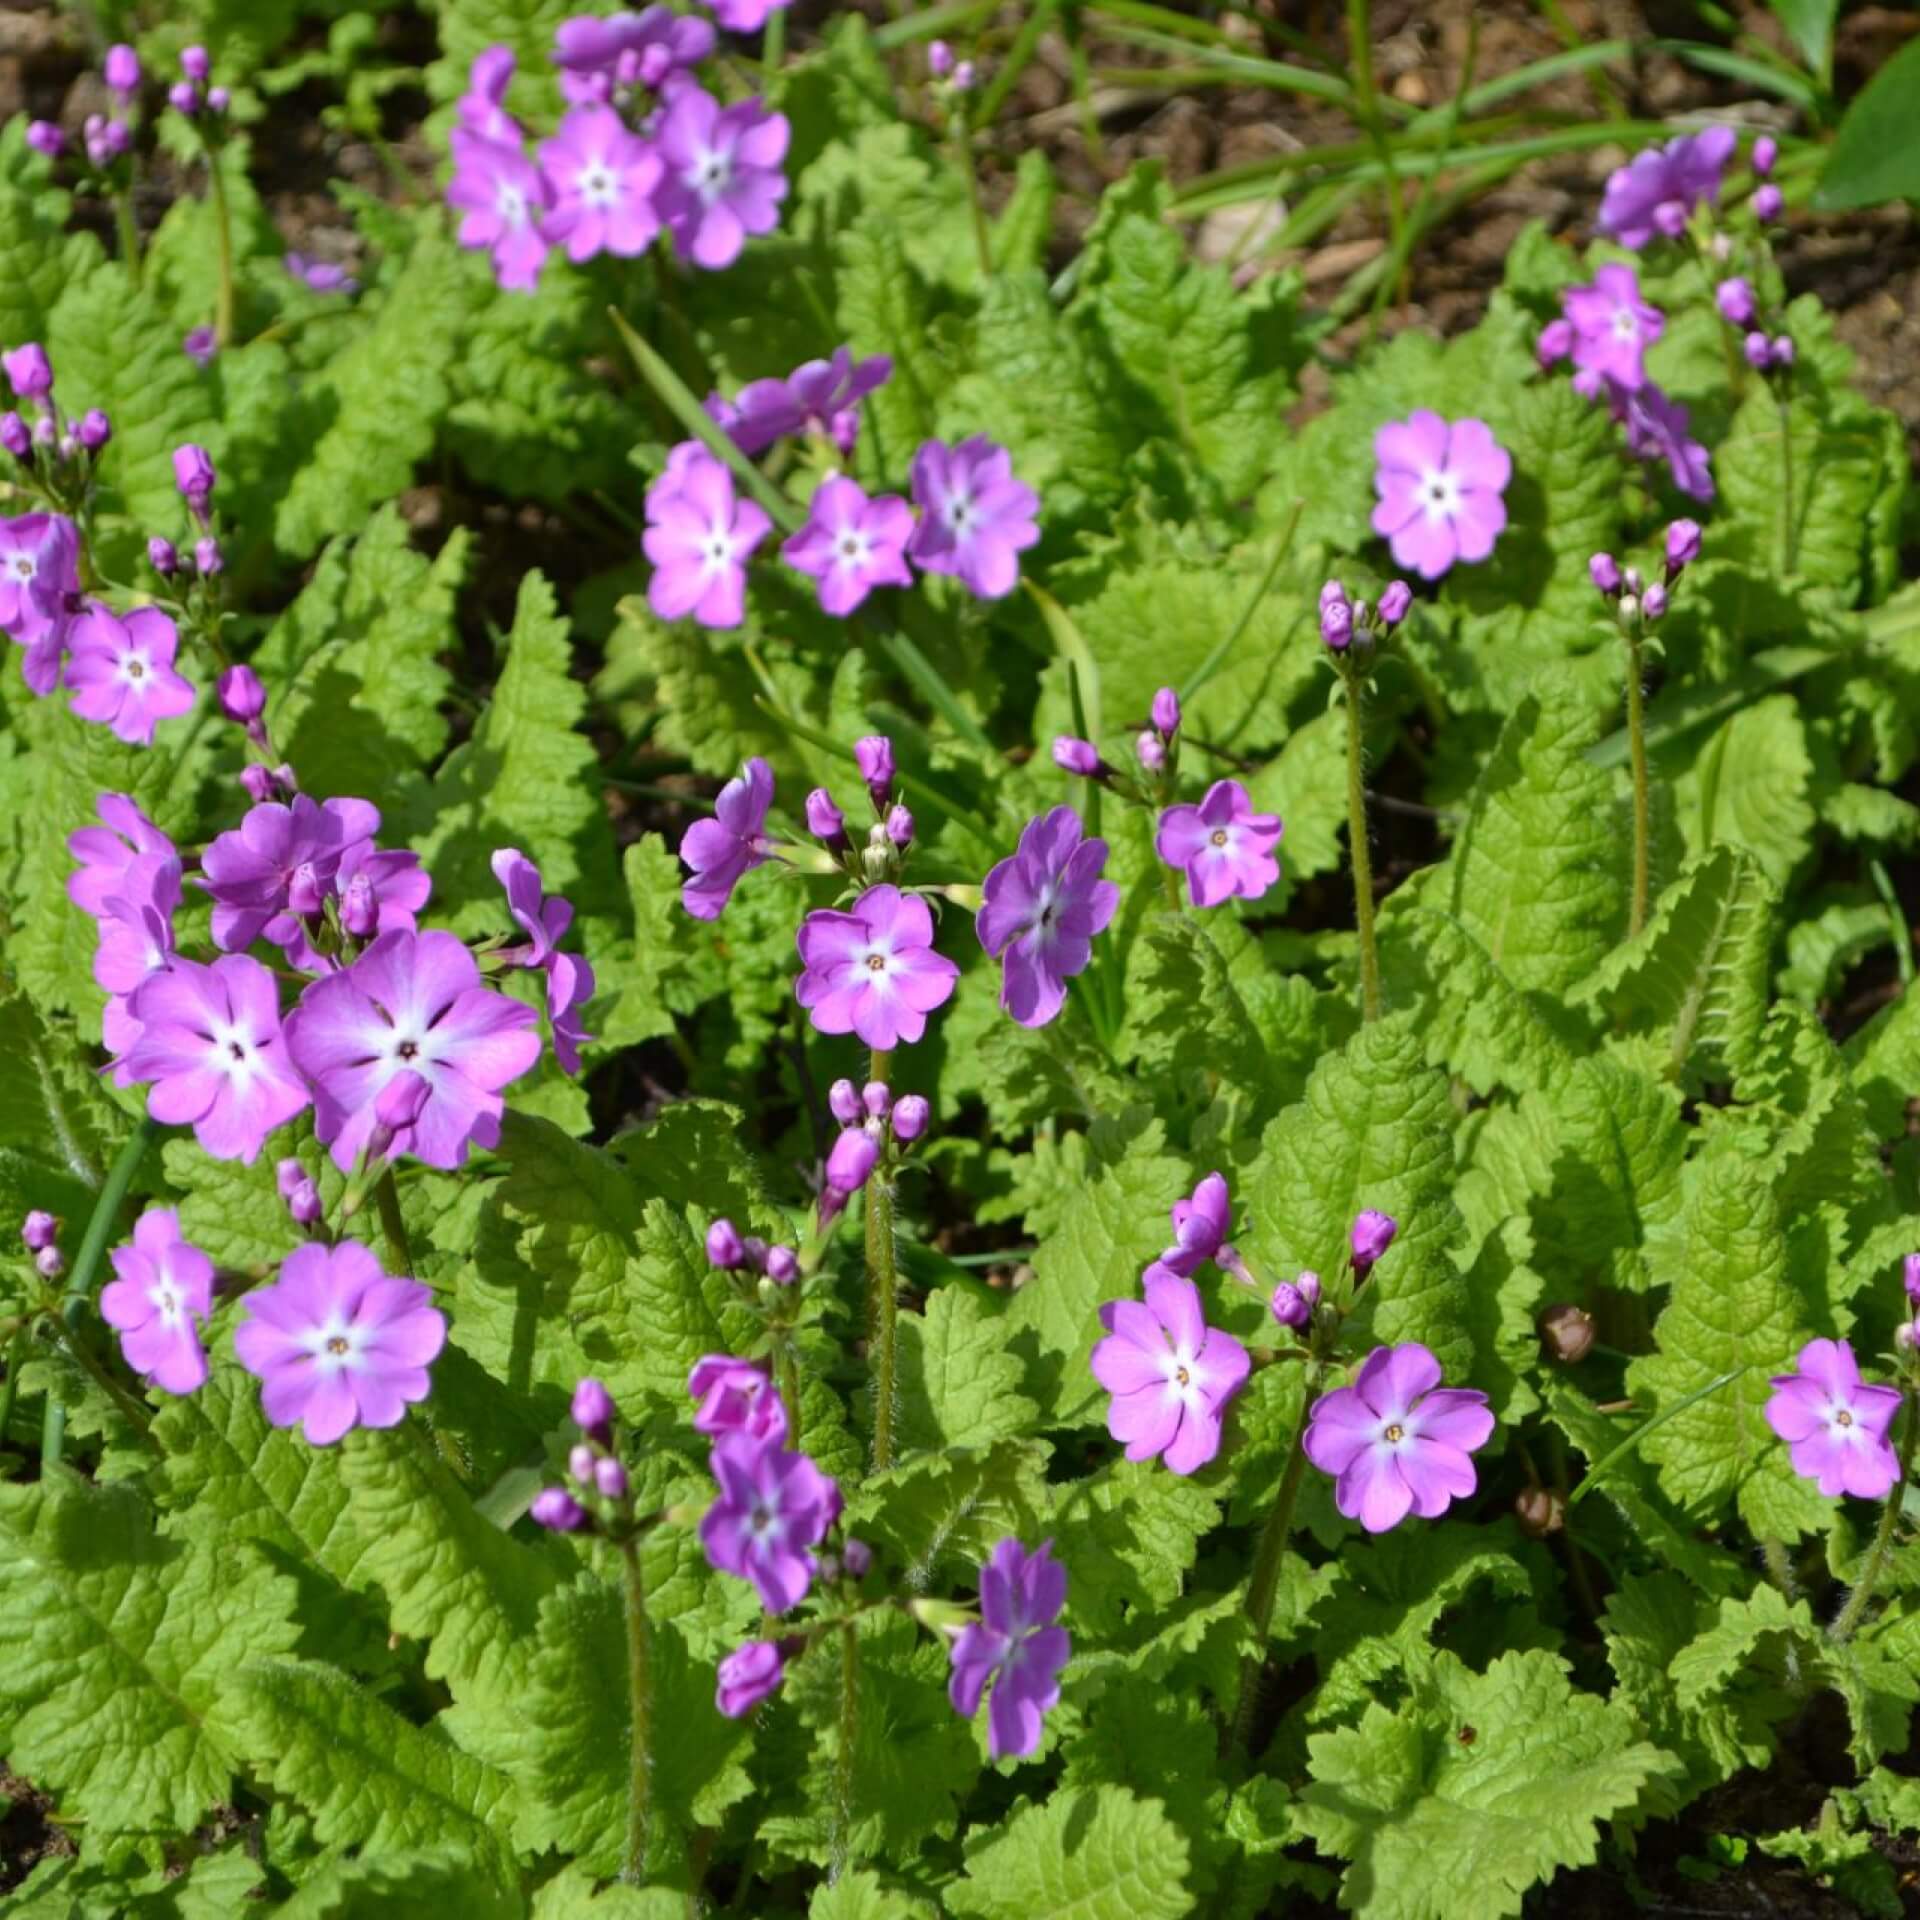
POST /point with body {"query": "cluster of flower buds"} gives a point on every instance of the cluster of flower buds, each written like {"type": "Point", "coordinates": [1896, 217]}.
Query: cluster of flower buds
{"type": "Point", "coordinates": [950, 76]}
{"type": "Point", "coordinates": [597, 1491]}
{"type": "Point", "coordinates": [878, 859]}
{"type": "Point", "coordinates": [190, 94]}
{"type": "Point", "coordinates": [57, 450]}
{"type": "Point", "coordinates": [1767, 198]}
{"type": "Point", "coordinates": [299, 1191]}
{"type": "Point", "coordinates": [1155, 747]}
{"type": "Point", "coordinates": [1906, 1336]}
{"type": "Point", "coordinates": [1346, 623]}
{"type": "Point", "coordinates": [1293, 1301]}
{"type": "Point", "coordinates": [732, 1252]}
{"type": "Point", "coordinates": [1638, 600]}
{"type": "Point", "coordinates": [41, 1233]}
{"type": "Point", "coordinates": [1763, 353]}
{"type": "Point", "coordinates": [872, 1123]}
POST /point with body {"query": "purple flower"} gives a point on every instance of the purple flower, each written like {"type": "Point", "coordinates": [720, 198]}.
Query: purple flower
{"type": "Point", "coordinates": [336, 1343]}
{"type": "Point", "coordinates": [735, 1397]}
{"type": "Point", "coordinates": [505, 199]}
{"type": "Point", "coordinates": [136, 937]}
{"type": "Point", "coordinates": [725, 1249]}
{"type": "Point", "coordinates": [380, 891]}
{"type": "Point", "coordinates": [321, 276]}
{"type": "Point", "coordinates": [820, 397]}
{"type": "Point", "coordinates": [1836, 1428]}
{"type": "Point", "coordinates": [106, 852]}
{"type": "Point", "coordinates": [1683, 545]}
{"type": "Point", "coordinates": [1396, 600]}
{"type": "Point", "coordinates": [873, 755]}
{"type": "Point", "coordinates": [193, 474]}
{"type": "Point", "coordinates": [1605, 572]}
{"type": "Point", "coordinates": [299, 1190]}
{"type": "Point", "coordinates": [480, 108]}
{"type": "Point", "coordinates": [200, 345]}
{"type": "Point", "coordinates": [29, 372]}
{"type": "Point", "coordinates": [699, 537]}
{"type": "Point", "coordinates": [557, 1510]}
{"type": "Point", "coordinates": [1440, 485]}
{"type": "Point", "coordinates": [44, 137]}
{"type": "Point", "coordinates": [773, 1506]}
{"type": "Point", "coordinates": [1170, 1374]}
{"type": "Point", "coordinates": [39, 578]}
{"type": "Point", "coordinates": [1293, 1301]}
{"type": "Point", "coordinates": [281, 863]}
{"type": "Point", "coordinates": [1222, 845]}
{"type": "Point", "coordinates": [976, 518]}
{"type": "Point", "coordinates": [748, 1675]}
{"type": "Point", "coordinates": [592, 1407]}
{"type": "Point", "coordinates": [603, 179]}
{"type": "Point", "coordinates": [721, 850]}
{"type": "Point", "coordinates": [121, 673]}
{"type": "Point", "coordinates": [873, 971]}
{"type": "Point", "coordinates": [851, 544]}
{"type": "Point", "coordinates": [1613, 326]}
{"type": "Point", "coordinates": [1015, 1644]}
{"type": "Point", "coordinates": [163, 1286]}
{"type": "Point", "coordinates": [1039, 911]}
{"type": "Point", "coordinates": [1910, 1276]}
{"type": "Point", "coordinates": [39, 1230]}
{"type": "Point", "coordinates": [594, 56]}
{"type": "Point", "coordinates": [1657, 430]}
{"type": "Point", "coordinates": [722, 177]}
{"type": "Point", "coordinates": [1396, 1440]}
{"type": "Point", "coordinates": [122, 70]}
{"type": "Point", "coordinates": [1768, 202]}
{"type": "Point", "coordinates": [911, 1118]}
{"type": "Point", "coordinates": [242, 697]}
{"type": "Point", "coordinates": [744, 16]}
{"type": "Point", "coordinates": [1766, 150]}
{"type": "Point", "coordinates": [412, 1003]}
{"type": "Point", "coordinates": [825, 821]}
{"type": "Point", "coordinates": [1199, 1226]}
{"type": "Point", "coordinates": [1079, 757]}
{"type": "Point", "coordinates": [210, 1046]}
{"type": "Point", "coordinates": [1735, 300]}
{"type": "Point", "coordinates": [1658, 189]}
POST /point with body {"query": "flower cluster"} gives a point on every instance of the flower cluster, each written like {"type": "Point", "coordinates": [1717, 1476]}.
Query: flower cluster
{"type": "Point", "coordinates": [875, 1130]}
{"type": "Point", "coordinates": [598, 1496]}
{"type": "Point", "coordinates": [643, 148]}
{"type": "Point", "coordinates": [1640, 602]}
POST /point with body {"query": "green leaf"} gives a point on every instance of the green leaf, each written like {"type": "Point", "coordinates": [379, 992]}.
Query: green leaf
{"type": "Point", "coordinates": [1749, 787]}
{"type": "Point", "coordinates": [1876, 155]}
{"type": "Point", "coordinates": [1128, 1536]}
{"type": "Point", "coordinates": [939, 1515]}
{"type": "Point", "coordinates": [114, 1645]}
{"type": "Point", "coordinates": [959, 1379]}
{"type": "Point", "coordinates": [40, 261]}
{"type": "Point", "coordinates": [375, 1887]}
{"type": "Point", "coordinates": [863, 1896]}
{"type": "Point", "coordinates": [1809, 25]}
{"type": "Point", "coordinates": [1443, 1823]}
{"type": "Point", "coordinates": [1095, 1854]}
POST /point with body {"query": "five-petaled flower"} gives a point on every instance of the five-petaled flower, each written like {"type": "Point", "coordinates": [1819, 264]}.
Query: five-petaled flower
{"type": "Point", "coordinates": [1040, 909]}
{"type": "Point", "coordinates": [851, 544]}
{"type": "Point", "coordinates": [121, 671]}
{"type": "Point", "coordinates": [873, 971]}
{"type": "Point", "coordinates": [1658, 188]}
{"type": "Point", "coordinates": [699, 536]}
{"type": "Point", "coordinates": [159, 1298]}
{"type": "Point", "coordinates": [1016, 1644]}
{"type": "Point", "coordinates": [722, 180]}
{"type": "Point", "coordinates": [721, 850]}
{"type": "Point", "coordinates": [1170, 1374]}
{"type": "Point", "coordinates": [1835, 1426]}
{"type": "Point", "coordinates": [602, 179]}
{"type": "Point", "coordinates": [1225, 849]}
{"type": "Point", "coordinates": [735, 1396]}
{"type": "Point", "coordinates": [1440, 485]}
{"type": "Point", "coordinates": [1396, 1441]}
{"type": "Point", "coordinates": [773, 1507]}
{"type": "Point", "coordinates": [976, 518]}
{"type": "Point", "coordinates": [1612, 329]}
{"type": "Point", "coordinates": [505, 199]}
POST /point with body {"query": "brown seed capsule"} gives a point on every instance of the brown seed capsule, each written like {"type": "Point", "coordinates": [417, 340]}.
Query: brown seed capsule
{"type": "Point", "coordinates": [1540, 1511]}
{"type": "Point", "coordinates": [1567, 1333]}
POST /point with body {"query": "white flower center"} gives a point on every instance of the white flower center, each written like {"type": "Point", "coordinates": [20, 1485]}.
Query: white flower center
{"type": "Point", "coordinates": [710, 175]}
{"type": "Point", "coordinates": [598, 185]}
{"type": "Point", "coordinates": [960, 516]}
{"type": "Point", "coordinates": [24, 565]}
{"type": "Point", "coordinates": [510, 204]}
{"type": "Point", "coordinates": [1440, 494]}
{"type": "Point", "coordinates": [232, 1052]}
{"type": "Point", "coordinates": [134, 668]}
{"type": "Point", "coordinates": [166, 1301]}
{"type": "Point", "coordinates": [1625, 326]}
{"type": "Point", "coordinates": [335, 1344]}
{"type": "Point", "coordinates": [853, 549]}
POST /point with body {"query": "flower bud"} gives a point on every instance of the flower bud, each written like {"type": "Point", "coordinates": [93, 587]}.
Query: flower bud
{"type": "Point", "coordinates": [825, 821]}
{"type": "Point", "coordinates": [29, 372]}
{"type": "Point", "coordinates": [1309, 1284]}
{"type": "Point", "coordinates": [1765, 151]}
{"type": "Point", "coordinates": [49, 1263]}
{"type": "Point", "coordinates": [200, 346]}
{"type": "Point", "coordinates": [1906, 1336]}
{"type": "Point", "coordinates": [857, 1558]}
{"type": "Point", "coordinates": [1767, 203]}
{"type": "Point", "coordinates": [95, 430]}
{"type": "Point", "coordinates": [724, 1246]}
{"type": "Point", "coordinates": [162, 556]}
{"type": "Point", "coordinates": [15, 436]}
{"type": "Point", "coordinates": [1653, 603]}
{"type": "Point", "coordinates": [1683, 546]}
{"type": "Point", "coordinates": [556, 1509]}
{"type": "Point", "coordinates": [193, 474]}
{"type": "Point", "coordinates": [876, 1099]}
{"type": "Point", "coordinates": [610, 1478]}
{"type": "Point", "coordinates": [1396, 600]}
{"type": "Point", "coordinates": [900, 827]}
{"type": "Point", "coordinates": [1910, 1275]}
{"type": "Point", "coordinates": [303, 1203]}
{"type": "Point", "coordinates": [1540, 1511]}
{"type": "Point", "coordinates": [939, 59]}
{"type": "Point", "coordinates": [1566, 1331]}
{"type": "Point", "coordinates": [107, 142]}
{"type": "Point", "coordinates": [1781, 349]}
{"type": "Point", "coordinates": [218, 99]}
{"type": "Point", "coordinates": [843, 1102]}
{"type": "Point", "coordinates": [873, 755]}
{"type": "Point", "coordinates": [911, 1117]}
{"type": "Point", "coordinates": [1336, 624]}
{"type": "Point", "coordinates": [748, 1675]}
{"type": "Point", "coordinates": [1555, 342]}
{"type": "Point", "coordinates": [360, 908]}
{"type": "Point", "coordinates": [1757, 351]}
{"type": "Point", "coordinates": [242, 697]}
{"type": "Point", "coordinates": [593, 1408]}
{"type": "Point", "coordinates": [782, 1266]}
{"type": "Point", "coordinates": [1373, 1233]}
{"type": "Point", "coordinates": [44, 137]}
{"type": "Point", "coordinates": [45, 432]}
{"type": "Point", "coordinates": [1151, 751]}
{"type": "Point", "coordinates": [1080, 757]}
{"type": "Point", "coordinates": [38, 1230]}
{"type": "Point", "coordinates": [194, 63]}
{"type": "Point", "coordinates": [1605, 570]}
{"type": "Point", "coordinates": [963, 77]}
{"type": "Point", "coordinates": [184, 97]}
{"type": "Point", "coordinates": [402, 1100]}
{"type": "Point", "coordinates": [580, 1459]}
{"type": "Point", "coordinates": [1630, 579]}
{"type": "Point", "coordinates": [207, 557]}
{"type": "Point", "coordinates": [1289, 1306]}
{"type": "Point", "coordinates": [122, 69]}
{"type": "Point", "coordinates": [753, 1253]}
{"type": "Point", "coordinates": [258, 781]}
{"type": "Point", "coordinates": [1629, 606]}
{"type": "Point", "coordinates": [851, 1160]}
{"type": "Point", "coordinates": [1734, 298]}
{"type": "Point", "coordinates": [1166, 712]}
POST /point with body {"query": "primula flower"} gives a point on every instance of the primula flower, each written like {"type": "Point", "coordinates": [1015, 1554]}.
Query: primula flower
{"type": "Point", "coordinates": [1223, 846]}
{"type": "Point", "coordinates": [39, 578]}
{"type": "Point", "coordinates": [721, 850]}
{"type": "Point", "coordinates": [1396, 1441]}
{"type": "Point", "coordinates": [1834, 1426]}
{"type": "Point", "coordinates": [629, 49]}
{"type": "Point", "coordinates": [569, 979]}
{"type": "Point", "coordinates": [1657, 430]}
{"type": "Point", "coordinates": [121, 673]}
{"type": "Point", "coordinates": [722, 179]}
{"type": "Point", "coordinates": [699, 538]}
{"type": "Point", "coordinates": [603, 178]}
{"type": "Point", "coordinates": [1039, 911]}
{"type": "Point", "coordinates": [744, 16]}
{"type": "Point", "coordinates": [976, 518]}
{"type": "Point", "coordinates": [773, 1506]}
{"type": "Point", "coordinates": [136, 940]}
{"type": "Point", "coordinates": [480, 108]}
{"type": "Point", "coordinates": [873, 971]}
{"type": "Point", "coordinates": [210, 1046]}
{"type": "Point", "coordinates": [748, 1675]}
{"type": "Point", "coordinates": [570, 985]}
{"type": "Point", "coordinates": [1613, 327]}
{"type": "Point", "coordinates": [320, 276]}
{"type": "Point", "coordinates": [1170, 1374]}
{"type": "Point", "coordinates": [336, 1343]}
{"type": "Point", "coordinates": [412, 1003]}
{"type": "Point", "coordinates": [505, 199]}
{"type": "Point", "coordinates": [821, 396]}
{"type": "Point", "coordinates": [1658, 189]}
{"type": "Point", "coordinates": [851, 544]}
{"type": "Point", "coordinates": [106, 852]}
{"type": "Point", "coordinates": [1440, 484]}
{"type": "Point", "coordinates": [1015, 1644]}
{"type": "Point", "coordinates": [161, 1294]}
{"type": "Point", "coordinates": [1199, 1226]}
{"type": "Point", "coordinates": [200, 345]}
{"type": "Point", "coordinates": [735, 1396]}
{"type": "Point", "coordinates": [280, 864]}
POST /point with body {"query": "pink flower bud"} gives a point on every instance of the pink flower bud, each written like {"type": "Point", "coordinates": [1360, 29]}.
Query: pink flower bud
{"type": "Point", "coordinates": [873, 755]}
{"type": "Point", "coordinates": [1336, 621]}
{"type": "Point", "coordinates": [1765, 151]}
{"type": "Point", "coordinates": [49, 1263]}
{"type": "Point", "coordinates": [556, 1509]}
{"type": "Point", "coordinates": [724, 1247]}
{"type": "Point", "coordinates": [825, 821]}
{"type": "Point", "coordinates": [360, 908]}
{"type": "Point", "coordinates": [402, 1100]}
{"type": "Point", "coordinates": [1289, 1305]}
{"type": "Point", "coordinates": [1555, 342]}
{"type": "Point", "coordinates": [857, 1558]}
{"type": "Point", "coordinates": [122, 69]}
{"type": "Point", "coordinates": [200, 346]}
{"type": "Point", "coordinates": [242, 697]}
{"type": "Point", "coordinates": [39, 1230]}
{"type": "Point", "coordinates": [748, 1675]}
{"type": "Point", "coordinates": [1396, 599]}
{"type": "Point", "coordinates": [29, 372]}
{"type": "Point", "coordinates": [44, 137]}
{"type": "Point", "coordinates": [1076, 756]}
{"type": "Point", "coordinates": [218, 99]}
{"type": "Point", "coordinates": [1906, 1336]}
{"type": "Point", "coordinates": [1735, 300]}
{"type": "Point", "coordinates": [95, 430]}
{"type": "Point", "coordinates": [610, 1478]}
{"type": "Point", "coordinates": [911, 1116]}
{"type": "Point", "coordinates": [1151, 751]}
{"type": "Point", "coordinates": [162, 556]}
{"type": "Point", "coordinates": [1166, 712]}
{"type": "Point", "coordinates": [939, 59]}
{"type": "Point", "coordinates": [843, 1102]}
{"type": "Point", "coordinates": [580, 1459]}
{"type": "Point", "coordinates": [1683, 545]}
{"type": "Point", "coordinates": [184, 97]}
{"type": "Point", "coordinates": [1605, 570]}
{"type": "Point", "coordinates": [852, 1160]}
{"type": "Point", "coordinates": [782, 1266]}
{"type": "Point", "coordinates": [963, 77]}
{"type": "Point", "coordinates": [207, 557]}
{"type": "Point", "coordinates": [1373, 1234]}
{"type": "Point", "coordinates": [1911, 1274]}
{"type": "Point", "coordinates": [593, 1408]}
{"type": "Point", "coordinates": [194, 63]}
{"type": "Point", "coordinates": [1653, 603]}
{"type": "Point", "coordinates": [15, 436]}
{"type": "Point", "coordinates": [900, 827]}
{"type": "Point", "coordinates": [193, 474]}
{"type": "Point", "coordinates": [1781, 350]}
{"type": "Point", "coordinates": [1767, 203]}
{"type": "Point", "coordinates": [876, 1099]}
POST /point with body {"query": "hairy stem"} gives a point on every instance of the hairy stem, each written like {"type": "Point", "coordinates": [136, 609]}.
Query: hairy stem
{"type": "Point", "coordinates": [393, 1225]}
{"type": "Point", "coordinates": [1882, 1549]}
{"type": "Point", "coordinates": [789, 1375]}
{"type": "Point", "coordinates": [1170, 879]}
{"type": "Point", "coordinates": [93, 1246]}
{"type": "Point", "coordinates": [963, 159]}
{"type": "Point", "coordinates": [223, 226]}
{"type": "Point", "coordinates": [1642, 811]}
{"type": "Point", "coordinates": [129, 234]}
{"type": "Point", "coordinates": [843, 1761]}
{"type": "Point", "coordinates": [1360, 855]}
{"type": "Point", "coordinates": [640, 1691]}
{"type": "Point", "coordinates": [883, 1288]}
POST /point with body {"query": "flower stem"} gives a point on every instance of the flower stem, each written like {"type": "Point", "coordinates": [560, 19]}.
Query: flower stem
{"type": "Point", "coordinates": [640, 1691]}
{"type": "Point", "coordinates": [129, 234]}
{"type": "Point", "coordinates": [93, 1246]}
{"type": "Point", "coordinates": [843, 1761]}
{"type": "Point", "coordinates": [963, 159]}
{"type": "Point", "coordinates": [1264, 1583]}
{"type": "Point", "coordinates": [223, 227]}
{"type": "Point", "coordinates": [883, 1288]}
{"type": "Point", "coordinates": [393, 1224]}
{"type": "Point", "coordinates": [789, 1390]}
{"type": "Point", "coordinates": [1882, 1549]}
{"type": "Point", "coordinates": [1358, 852]}
{"type": "Point", "coordinates": [1637, 752]}
{"type": "Point", "coordinates": [1171, 881]}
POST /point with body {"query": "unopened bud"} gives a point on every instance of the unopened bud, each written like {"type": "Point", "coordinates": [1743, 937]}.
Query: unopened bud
{"type": "Point", "coordinates": [184, 97]}
{"type": "Point", "coordinates": [1911, 1275]}
{"type": "Point", "coordinates": [360, 908]}
{"type": "Point", "coordinates": [1653, 603]}
{"type": "Point", "coordinates": [1566, 1331]}
{"type": "Point", "coordinates": [557, 1510]}
{"type": "Point", "coordinates": [725, 1248]}
{"type": "Point", "coordinates": [939, 59]}
{"type": "Point", "coordinates": [44, 137]}
{"type": "Point", "coordinates": [873, 755]}
{"type": "Point", "coordinates": [15, 436]}
{"type": "Point", "coordinates": [610, 1478]}
{"type": "Point", "coordinates": [242, 697]}
{"type": "Point", "coordinates": [122, 70]}
{"type": "Point", "coordinates": [782, 1266]}
{"type": "Point", "coordinates": [29, 372]}
{"type": "Point", "coordinates": [1683, 546]}
{"type": "Point", "coordinates": [162, 556]}
{"type": "Point", "coordinates": [843, 1102]}
{"type": "Point", "coordinates": [911, 1117]}
{"type": "Point", "coordinates": [593, 1409]}
{"type": "Point", "coordinates": [95, 430]}
{"type": "Point", "coordinates": [580, 1459]}
{"type": "Point", "coordinates": [1540, 1511]}
{"type": "Point", "coordinates": [1555, 342]}
{"type": "Point", "coordinates": [900, 827]}
{"type": "Point", "coordinates": [1151, 751]}
{"type": "Point", "coordinates": [207, 557]}
{"type": "Point", "coordinates": [1373, 1233]}
{"type": "Point", "coordinates": [218, 99]}
{"type": "Point", "coordinates": [1396, 601]}
{"type": "Point", "coordinates": [1166, 712]}
{"type": "Point", "coordinates": [1288, 1305]}
{"type": "Point", "coordinates": [195, 62]}
{"type": "Point", "coordinates": [49, 1263]}
{"type": "Point", "coordinates": [1765, 151]}
{"type": "Point", "coordinates": [1735, 300]}
{"type": "Point", "coordinates": [825, 821]}
{"type": "Point", "coordinates": [40, 1229]}
{"type": "Point", "coordinates": [1767, 203]}
{"type": "Point", "coordinates": [852, 1160]}
{"type": "Point", "coordinates": [876, 1099]}
{"type": "Point", "coordinates": [1076, 756]}
{"type": "Point", "coordinates": [857, 1558]}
